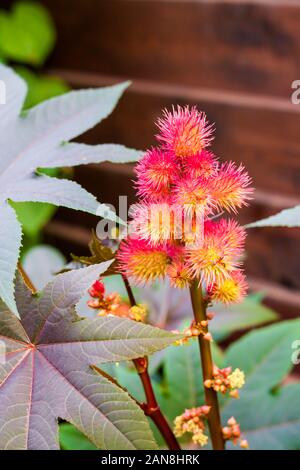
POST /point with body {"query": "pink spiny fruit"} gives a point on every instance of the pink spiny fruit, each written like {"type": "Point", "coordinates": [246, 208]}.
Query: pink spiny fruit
{"type": "Point", "coordinates": [231, 187]}
{"type": "Point", "coordinates": [193, 193]}
{"type": "Point", "coordinates": [182, 187]}
{"type": "Point", "coordinates": [141, 261]}
{"type": "Point", "coordinates": [155, 174]}
{"type": "Point", "coordinates": [231, 290]}
{"type": "Point", "coordinates": [178, 274]}
{"type": "Point", "coordinates": [154, 222]}
{"type": "Point", "coordinates": [184, 131]}
{"type": "Point", "coordinates": [214, 259]}
{"type": "Point", "coordinates": [203, 164]}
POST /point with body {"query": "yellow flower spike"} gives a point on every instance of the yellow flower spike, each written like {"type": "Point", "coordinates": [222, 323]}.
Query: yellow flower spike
{"type": "Point", "coordinates": [236, 379]}
{"type": "Point", "coordinates": [178, 430]}
{"type": "Point", "coordinates": [200, 438]}
{"type": "Point", "coordinates": [138, 312]}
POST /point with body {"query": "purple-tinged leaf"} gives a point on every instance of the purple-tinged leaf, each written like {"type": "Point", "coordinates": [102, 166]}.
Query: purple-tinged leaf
{"type": "Point", "coordinates": [48, 375]}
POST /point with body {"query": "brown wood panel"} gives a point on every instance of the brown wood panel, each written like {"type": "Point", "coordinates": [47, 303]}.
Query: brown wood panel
{"type": "Point", "coordinates": [261, 133]}
{"type": "Point", "coordinates": [238, 45]}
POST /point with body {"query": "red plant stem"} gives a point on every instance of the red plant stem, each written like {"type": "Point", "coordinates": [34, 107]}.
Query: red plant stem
{"type": "Point", "coordinates": [129, 291]}
{"type": "Point", "coordinates": [151, 407]}
{"type": "Point", "coordinates": [211, 397]}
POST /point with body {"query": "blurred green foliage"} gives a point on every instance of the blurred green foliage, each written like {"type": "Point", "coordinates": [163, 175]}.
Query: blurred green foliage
{"type": "Point", "coordinates": [40, 87]}
{"type": "Point", "coordinates": [27, 33]}
{"type": "Point", "coordinates": [27, 37]}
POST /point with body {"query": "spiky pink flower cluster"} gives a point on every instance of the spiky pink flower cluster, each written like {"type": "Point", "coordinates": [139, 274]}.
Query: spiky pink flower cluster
{"type": "Point", "coordinates": [176, 229]}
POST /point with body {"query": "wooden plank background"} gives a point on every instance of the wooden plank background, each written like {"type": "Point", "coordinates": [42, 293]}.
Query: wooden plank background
{"type": "Point", "coordinates": [234, 59]}
{"type": "Point", "coordinates": [239, 46]}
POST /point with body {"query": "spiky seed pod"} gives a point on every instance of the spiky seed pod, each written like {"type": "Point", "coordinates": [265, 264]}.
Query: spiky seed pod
{"type": "Point", "coordinates": [156, 172]}
{"type": "Point", "coordinates": [184, 131]}
{"type": "Point", "coordinates": [141, 261]}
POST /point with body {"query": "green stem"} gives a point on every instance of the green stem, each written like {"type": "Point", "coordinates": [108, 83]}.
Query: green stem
{"type": "Point", "coordinates": [211, 397]}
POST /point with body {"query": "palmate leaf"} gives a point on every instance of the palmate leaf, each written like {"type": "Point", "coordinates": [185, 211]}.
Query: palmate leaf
{"type": "Point", "coordinates": [277, 420]}
{"type": "Point", "coordinates": [173, 395]}
{"type": "Point", "coordinates": [37, 139]}
{"type": "Point", "coordinates": [269, 415]}
{"type": "Point", "coordinates": [48, 375]}
{"type": "Point", "coordinates": [270, 358]}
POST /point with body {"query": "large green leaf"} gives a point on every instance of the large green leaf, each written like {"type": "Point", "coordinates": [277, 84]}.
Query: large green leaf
{"type": "Point", "coordinates": [27, 33]}
{"type": "Point", "coordinates": [183, 376]}
{"type": "Point", "coordinates": [271, 422]}
{"type": "Point", "coordinates": [265, 354]}
{"type": "Point", "coordinates": [269, 415]}
{"type": "Point", "coordinates": [251, 312]}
